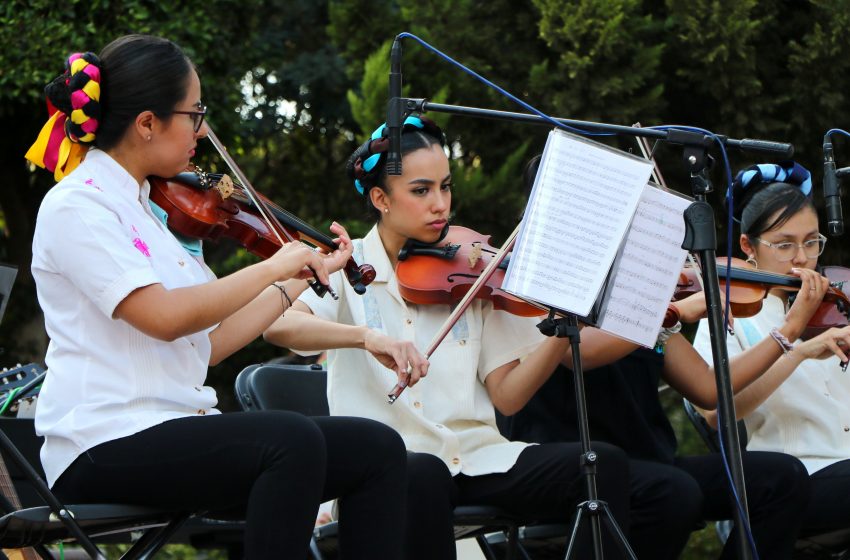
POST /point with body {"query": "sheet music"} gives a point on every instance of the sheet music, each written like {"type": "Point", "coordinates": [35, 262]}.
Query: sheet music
{"type": "Point", "coordinates": [581, 204]}
{"type": "Point", "coordinates": [646, 270]}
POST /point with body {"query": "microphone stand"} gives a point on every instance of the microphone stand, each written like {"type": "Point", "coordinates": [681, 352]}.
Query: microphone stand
{"type": "Point", "coordinates": [700, 237]}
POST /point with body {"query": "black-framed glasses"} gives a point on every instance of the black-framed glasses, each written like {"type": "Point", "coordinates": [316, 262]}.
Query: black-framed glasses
{"type": "Point", "coordinates": [787, 250]}
{"type": "Point", "coordinates": [197, 116]}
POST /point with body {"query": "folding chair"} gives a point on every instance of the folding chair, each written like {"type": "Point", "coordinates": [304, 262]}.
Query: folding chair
{"type": "Point", "coordinates": [34, 526]}
{"type": "Point", "coordinates": [82, 523]}
{"type": "Point", "coordinates": [302, 388]}
{"type": "Point", "coordinates": [834, 545]}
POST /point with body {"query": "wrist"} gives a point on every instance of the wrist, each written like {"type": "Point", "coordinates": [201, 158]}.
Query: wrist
{"type": "Point", "coordinates": [782, 341]}
{"type": "Point", "coordinates": [664, 335]}
{"type": "Point", "coordinates": [361, 336]}
{"type": "Point", "coordinates": [294, 287]}
{"type": "Point", "coordinates": [791, 330]}
{"type": "Point", "coordinates": [270, 275]}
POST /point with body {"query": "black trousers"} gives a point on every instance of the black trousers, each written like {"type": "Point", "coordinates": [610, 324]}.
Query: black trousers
{"type": "Point", "coordinates": [696, 488]}
{"type": "Point", "coordinates": [544, 484]}
{"type": "Point", "coordinates": [273, 467]}
{"type": "Point", "coordinates": [829, 506]}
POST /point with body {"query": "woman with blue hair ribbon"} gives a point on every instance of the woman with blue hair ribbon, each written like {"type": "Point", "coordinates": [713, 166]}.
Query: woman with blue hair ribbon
{"type": "Point", "coordinates": [489, 360]}
{"type": "Point", "coordinates": [801, 405]}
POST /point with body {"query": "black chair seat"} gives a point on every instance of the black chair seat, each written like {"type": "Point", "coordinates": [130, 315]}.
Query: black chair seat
{"type": "Point", "coordinates": [31, 526]}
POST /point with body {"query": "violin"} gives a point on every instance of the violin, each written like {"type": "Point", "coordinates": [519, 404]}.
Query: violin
{"type": "Point", "coordinates": [209, 207]}
{"type": "Point", "coordinates": [749, 286]}
{"type": "Point", "coordinates": [443, 273]}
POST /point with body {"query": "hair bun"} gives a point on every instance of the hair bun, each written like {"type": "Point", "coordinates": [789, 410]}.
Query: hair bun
{"type": "Point", "coordinates": [755, 178]}
{"type": "Point", "coordinates": [83, 71]}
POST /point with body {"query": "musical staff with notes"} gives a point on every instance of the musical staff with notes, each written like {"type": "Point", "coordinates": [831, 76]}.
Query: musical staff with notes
{"type": "Point", "coordinates": [580, 207]}
{"type": "Point", "coordinates": [645, 272]}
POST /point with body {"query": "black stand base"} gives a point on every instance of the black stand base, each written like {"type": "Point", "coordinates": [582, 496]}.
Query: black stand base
{"type": "Point", "coordinates": [595, 508]}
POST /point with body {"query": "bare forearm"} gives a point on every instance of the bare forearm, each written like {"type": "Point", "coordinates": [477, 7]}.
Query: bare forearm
{"type": "Point", "coordinates": [511, 388]}
{"type": "Point", "coordinates": [598, 349]}
{"type": "Point", "coordinates": [250, 321]}
{"type": "Point", "coordinates": [301, 330]}
{"type": "Point", "coordinates": [687, 372]}
{"type": "Point", "coordinates": [171, 314]}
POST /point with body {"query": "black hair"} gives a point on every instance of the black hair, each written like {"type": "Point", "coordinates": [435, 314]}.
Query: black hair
{"type": "Point", "coordinates": [138, 73]}
{"type": "Point", "coordinates": [769, 206]}
{"type": "Point", "coordinates": [412, 139]}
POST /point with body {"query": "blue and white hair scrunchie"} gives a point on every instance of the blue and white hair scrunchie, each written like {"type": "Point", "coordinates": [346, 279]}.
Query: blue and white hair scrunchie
{"type": "Point", "coordinates": [789, 172]}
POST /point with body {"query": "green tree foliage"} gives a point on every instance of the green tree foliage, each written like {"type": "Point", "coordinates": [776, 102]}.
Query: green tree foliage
{"type": "Point", "coordinates": [604, 62]}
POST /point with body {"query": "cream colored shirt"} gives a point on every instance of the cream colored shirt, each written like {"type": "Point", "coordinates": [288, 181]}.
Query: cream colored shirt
{"type": "Point", "coordinates": [448, 413]}
{"type": "Point", "coordinates": [96, 240]}
{"type": "Point", "coordinates": [808, 416]}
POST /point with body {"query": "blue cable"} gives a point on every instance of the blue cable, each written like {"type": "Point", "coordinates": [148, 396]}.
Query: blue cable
{"type": "Point", "coordinates": [836, 130]}
{"type": "Point", "coordinates": [505, 93]}
{"type": "Point", "coordinates": [727, 169]}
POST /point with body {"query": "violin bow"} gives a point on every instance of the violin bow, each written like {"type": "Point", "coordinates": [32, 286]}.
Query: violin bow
{"type": "Point", "coordinates": [462, 306]}
{"type": "Point", "coordinates": [269, 217]}
{"type": "Point", "coordinates": [643, 144]}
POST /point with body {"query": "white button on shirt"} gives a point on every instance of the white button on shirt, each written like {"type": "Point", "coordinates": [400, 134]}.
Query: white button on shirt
{"type": "Point", "coordinates": [96, 241]}
{"type": "Point", "coordinates": [808, 415]}
{"type": "Point", "coordinates": [448, 413]}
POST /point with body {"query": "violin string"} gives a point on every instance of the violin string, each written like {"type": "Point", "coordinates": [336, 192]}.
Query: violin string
{"type": "Point", "coordinates": [294, 220]}
{"type": "Point", "coordinates": [247, 188]}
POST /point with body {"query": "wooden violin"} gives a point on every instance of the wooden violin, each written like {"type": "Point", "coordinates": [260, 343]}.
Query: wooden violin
{"type": "Point", "coordinates": [749, 286]}
{"type": "Point", "coordinates": [208, 206]}
{"type": "Point", "coordinates": [443, 273]}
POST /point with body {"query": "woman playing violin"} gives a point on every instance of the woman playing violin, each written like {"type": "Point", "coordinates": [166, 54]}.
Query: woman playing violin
{"type": "Point", "coordinates": [490, 359]}
{"type": "Point", "coordinates": [135, 320]}
{"type": "Point", "coordinates": [801, 405]}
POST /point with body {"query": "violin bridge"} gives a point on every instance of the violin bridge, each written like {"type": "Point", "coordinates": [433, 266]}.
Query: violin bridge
{"type": "Point", "coordinates": [225, 186]}
{"type": "Point", "coordinates": [474, 254]}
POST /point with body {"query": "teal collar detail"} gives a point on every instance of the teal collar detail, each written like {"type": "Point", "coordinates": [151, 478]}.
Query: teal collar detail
{"type": "Point", "coordinates": [192, 245]}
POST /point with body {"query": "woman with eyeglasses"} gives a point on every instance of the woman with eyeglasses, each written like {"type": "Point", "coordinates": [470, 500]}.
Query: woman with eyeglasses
{"type": "Point", "coordinates": [801, 405]}
{"type": "Point", "coordinates": [490, 360]}
{"type": "Point", "coordinates": [135, 318]}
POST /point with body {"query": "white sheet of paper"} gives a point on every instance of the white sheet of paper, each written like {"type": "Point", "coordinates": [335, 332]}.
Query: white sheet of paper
{"type": "Point", "coordinates": [583, 199]}
{"type": "Point", "coordinates": [646, 270]}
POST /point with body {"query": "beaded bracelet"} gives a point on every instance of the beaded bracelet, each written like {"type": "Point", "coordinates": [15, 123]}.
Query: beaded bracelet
{"type": "Point", "coordinates": [783, 342]}
{"type": "Point", "coordinates": [664, 335]}
{"type": "Point", "coordinates": [283, 296]}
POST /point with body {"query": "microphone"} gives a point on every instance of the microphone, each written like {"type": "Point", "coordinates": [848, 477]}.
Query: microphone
{"type": "Point", "coordinates": [395, 111]}
{"type": "Point", "coordinates": [832, 198]}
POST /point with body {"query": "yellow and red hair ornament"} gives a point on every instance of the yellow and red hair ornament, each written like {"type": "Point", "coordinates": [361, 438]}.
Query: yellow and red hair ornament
{"type": "Point", "coordinates": [63, 141]}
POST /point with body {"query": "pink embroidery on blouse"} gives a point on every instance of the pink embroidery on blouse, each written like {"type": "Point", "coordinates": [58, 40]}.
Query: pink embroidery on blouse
{"type": "Point", "coordinates": [90, 182]}
{"type": "Point", "coordinates": [139, 244]}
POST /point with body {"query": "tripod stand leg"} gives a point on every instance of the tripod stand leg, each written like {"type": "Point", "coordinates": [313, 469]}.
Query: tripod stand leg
{"type": "Point", "coordinates": [594, 509]}
{"type": "Point", "coordinates": [621, 538]}
{"type": "Point", "coordinates": [574, 532]}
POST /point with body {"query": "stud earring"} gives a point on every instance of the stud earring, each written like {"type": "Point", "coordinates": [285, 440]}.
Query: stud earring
{"type": "Point", "coordinates": [149, 138]}
{"type": "Point", "coordinates": [386, 210]}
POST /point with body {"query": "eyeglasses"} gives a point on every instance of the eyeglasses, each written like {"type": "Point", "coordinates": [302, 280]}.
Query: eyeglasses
{"type": "Point", "coordinates": [786, 250]}
{"type": "Point", "coordinates": [197, 116]}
